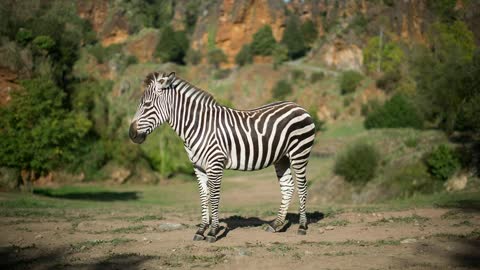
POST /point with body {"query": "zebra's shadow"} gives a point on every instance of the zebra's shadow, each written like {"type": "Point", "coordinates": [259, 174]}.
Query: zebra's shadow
{"type": "Point", "coordinates": [235, 221]}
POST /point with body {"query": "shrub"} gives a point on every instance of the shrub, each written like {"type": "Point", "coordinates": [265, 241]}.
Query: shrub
{"type": "Point", "coordinates": [387, 58]}
{"type": "Point", "coordinates": [221, 74]}
{"type": "Point", "coordinates": [358, 163]}
{"type": "Point", "coordinates": [193, 57]}
{"type": "Point", "coordinates": [349, 80]}
{"type": "Point", "coordinates": [319, 124]}
{"type": "Point", "coordinates": [173, 45]}
{"type": "Point", "coordinates": [44, 43]}
{"type": "Point", "coordinates": [263, 41]}
{"type": "Point", "coordinates": [395, 113]}
{"type": "Point", "coordinates": [216, 57]}
{"type": "Point", "coordinates": [24, 36]}
{"type": "Point", "coordinates": [316, 76]}
{"type": "Point", "coordinates": [309, 31]}
{"type": "Point", "coordinates": [370, 106]}
{"type": "Point", "coordinates": [293, 38]}
{"type": "Point", "coordinates": [244, 56]}
{"type": "Point", "coordinates": [412, 179]}
{"type": "Point", "coordinates": [298, 75]}
{"type": "Point", "coordinates": [280, 55]}
{"type": "Point", "coordinates": [442, 162]}
{"type": "Point", "coordinates": [281, 89]}
{"type": "Point", "coordinates": [389, 81]}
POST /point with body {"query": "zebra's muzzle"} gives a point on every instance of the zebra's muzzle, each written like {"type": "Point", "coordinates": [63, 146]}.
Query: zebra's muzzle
{"type": "Point", "coordinates": [134, 135]}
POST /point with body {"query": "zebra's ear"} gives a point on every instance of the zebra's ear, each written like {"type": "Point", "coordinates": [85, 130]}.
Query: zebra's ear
{"type": "Point", "coordinates": [170, 78]}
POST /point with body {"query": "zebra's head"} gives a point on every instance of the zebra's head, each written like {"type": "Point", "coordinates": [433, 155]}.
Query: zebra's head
{"type": "Point", "coordinates": [153, 109]}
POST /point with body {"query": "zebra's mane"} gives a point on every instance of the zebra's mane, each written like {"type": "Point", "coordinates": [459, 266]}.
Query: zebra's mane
{"type": "Point", "coordinates": [154, 75]}
{"type": "Point", "coordinates": [202, 92]}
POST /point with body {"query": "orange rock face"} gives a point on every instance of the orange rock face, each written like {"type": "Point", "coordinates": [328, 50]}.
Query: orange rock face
{"type": "Point", "coordinates": [235, 24]}
{"type": "Point", "coordinates": [144, 45]}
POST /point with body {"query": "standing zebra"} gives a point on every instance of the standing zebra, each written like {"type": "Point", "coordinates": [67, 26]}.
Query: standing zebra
{"type": "Point", "coordinates": [218, 138]}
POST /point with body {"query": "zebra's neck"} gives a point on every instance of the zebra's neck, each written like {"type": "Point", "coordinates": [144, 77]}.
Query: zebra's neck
{"type": "Point", "coordinates": [189, 108]}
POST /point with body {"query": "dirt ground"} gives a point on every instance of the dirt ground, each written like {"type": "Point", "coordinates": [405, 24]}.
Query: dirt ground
{"type": "Point", "coordinates": [50, 233]}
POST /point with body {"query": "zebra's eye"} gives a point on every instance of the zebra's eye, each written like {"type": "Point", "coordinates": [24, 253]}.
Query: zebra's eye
{"type": "Point", "coordinates": [147, 103]}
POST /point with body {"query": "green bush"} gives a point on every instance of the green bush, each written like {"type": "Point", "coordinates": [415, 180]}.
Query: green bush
{"type": "Point", "coordinates": [298, 75]}
{"type": "Point", "coordinates": [349, 80]}
{"type": "Point", "coordinates": [397, 112]}
{"type": "Point", "coordinates": [216, 57]}
{"type": "Point", "coordinates": [37, 133]}
{"type": "Point", "coordinates": [442, 162]}
{"type": "Point", "coordinates": [173, 45]}
{"type": "Point", "coordinates": [281, 90]}
{"type": "Point", "coordinates": [386, 58]}
{"type": "Point", "coordinates": [468, 118]}
{"type": "Point", "coordinates": [309, 31]}
{"type": "Point", "coordinates": [358, 163]}
{"type": "Point", "coordinates": [103, 54]}
{"type": "Point", "coordinates": [263, 41]}
{"type": "Point", "coordinates": [193, 57]}
{"type": "Point", "coordinates": [44, 43]}
{"type": "Point", "coordinates": [244, 56]}
{"type": "Point", "coordinates": [24, 36]}
{"type": "Point", "coordinates": [280, 55]}
{"type": "Point", "coordinates": [316, 76]}
{"type": "Point", "coordinates": [293, 38]}
{"type": "Point", "coordinates": [319, 124]}
{"type": "Point", "coordinates": [412, 179]}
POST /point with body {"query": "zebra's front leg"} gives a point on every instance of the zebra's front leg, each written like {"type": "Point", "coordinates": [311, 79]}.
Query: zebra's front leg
{"type": "Point", "coordinates": [214, 182]}
{"type": "Point", "coordinates": [204, 200]}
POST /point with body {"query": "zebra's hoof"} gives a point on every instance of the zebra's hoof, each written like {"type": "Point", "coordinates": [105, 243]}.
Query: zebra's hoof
{"type": "Point", "coordinates": [198, 237]}
{"type": "Point", "coordinates": [269, 228]}
{"type": "Point", "coordinates": [211, 239]}
{"type": "Point", "coordinates": [302, 231]}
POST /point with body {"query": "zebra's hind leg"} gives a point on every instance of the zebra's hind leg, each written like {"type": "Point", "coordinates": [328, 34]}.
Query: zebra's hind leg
{"type": "Point", "coordinates": [299, 166]}
{"type": "Point", "coordinates": [204, 200]}
{"type": "Point", "coordinates": [282, 168]}
{"type": "Point", "coordinates": [215, 174]}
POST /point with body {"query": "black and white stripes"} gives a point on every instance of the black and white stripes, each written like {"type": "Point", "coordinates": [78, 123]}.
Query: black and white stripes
{"type": "Point", "coordinates": [218, 138]}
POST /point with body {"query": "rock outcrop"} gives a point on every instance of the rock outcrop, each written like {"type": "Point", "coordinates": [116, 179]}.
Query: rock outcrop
{"type": "Point", "coordinates": [342, 56]}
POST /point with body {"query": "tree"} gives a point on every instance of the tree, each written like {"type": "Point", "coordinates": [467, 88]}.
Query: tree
{"type": "Point", "coordinates": [387, 57]}
{"type": "Point", "coordinates": [172, 46]}
{"type": "Point", "coordinates": [280, 55]}
{"type": "Point", "coordinates": [38, 134]}
{"type": "Point", "coordinates": [216, 57]}
{"type": "Point", "coordinates": [244, 56]}
{"type": "Point", "coordinates": [293, 38]}
{"type": "Point", "coordinates": [310, 32]}
{"type": "Point", "coordinates": [281, 90]}
{"type": "Point", "coordinates": [263, 41]}
{"type": "Point", "coordinates": [349, 80]}
{"type": "Point", "coordinates": [397, 112]}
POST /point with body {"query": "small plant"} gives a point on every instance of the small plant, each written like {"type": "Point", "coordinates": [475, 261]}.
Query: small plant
{"type": "Point", "coordinates": [442, 162]}
{"type": "Point", "coordinates": [358, 163]}
{"type": "Point", "coordinates": [221, 74]}
{"type": "Point", "coordinates": [24, 36]}
{"type": "Point", "coordinates": [281, 90]}
{"type": "Point", "coordinates": [395, 113]}
{"type": "Point", "coordinates": [349, 80]}
{"type": "Point", "coordinates": [298, 75]}
{"type": "Point", "coordinates": [244, 56]}
{"type": "Point", "coordinates": [411, 142]}
{"type": "Point", "coordinates": [316, 76]}
{"type": "Point", "coordinates": [216, 57]}
{"type": "Point", "coordinates": [44, 43]}
{"type": "Point", "coordinates": [279, 54]}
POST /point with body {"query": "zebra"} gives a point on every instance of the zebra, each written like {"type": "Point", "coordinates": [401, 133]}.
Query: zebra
{"type": "Point", "coordinates": [217, 137]}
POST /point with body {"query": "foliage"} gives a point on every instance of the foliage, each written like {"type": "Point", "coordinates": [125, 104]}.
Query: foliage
{"type": "Point", "coordinates": [309, 32]}
{"type": "Point", "coordinates": [370, 106]}
{"type": "Point", "coordinates": [358, 163]}
{"type": "Point", "coordinates": [359, 23]}
{"type": "Point", "coordinates": [44, 43]}
{"type": "Point", "coordinates": [293, 38]}
{"type": "Point", "coordinates": [316, 76]}
{"type": "Point", "coordinates": [349, 80]}
{"type": "Point", "coordinates": [447, 78]}
{"type": "Point", "coordinates": [281, 90]}
{"type": "Point", "coordinates": [103, 54]}
{"type": "Point", "coordinates": [173, 45]}
{"type": "Point", "coordinates": [193, 57]}
{"type": "Point", "coordinates": [389, 81]}
{"type": "Point", "coordinates": [442, 162]}
{"type": "Point", "coordinates": [298, 75]}
{"type": "Point", "coordinates": [165, 152]}
{"type": "Point", "coordinates": [263, 41]}
{"type": "Point", "coordinates": [37, 132]}
{"type": "Point", "coordinates": [216, 57]}
{"type": "Point", "coordinates": [411, 179]}
{"type": "Point", "coordinates": [382, 58]}
{"type": "Point", "coordinates": [468, 117]}
{"type": "Point", "coordinates": [396, 112]}
{"type": "Point", "coordinates": [319, 124]}
{"type": "Point", "coordinates": [220, 74]}
{"type": "Point", "coordinates": [445, 9]}
{"type": "Point", "coordinates": [280, 55]}
{"type": "Point", "coordinates": [244, 56]}
{"type": "Point", "coordinates": [24, 36]}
